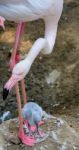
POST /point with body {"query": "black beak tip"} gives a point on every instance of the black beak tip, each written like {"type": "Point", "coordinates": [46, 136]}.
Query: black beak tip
{"type": "Point", "coordinates": [5, 93]}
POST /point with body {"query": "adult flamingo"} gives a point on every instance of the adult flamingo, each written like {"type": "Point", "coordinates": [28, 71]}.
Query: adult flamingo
{"type": "Point", "coordinates": [23, 11]}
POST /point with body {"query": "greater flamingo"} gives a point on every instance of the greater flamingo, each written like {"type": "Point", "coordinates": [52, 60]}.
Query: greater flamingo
{"type": "Point", "coordinates": [22, 11]}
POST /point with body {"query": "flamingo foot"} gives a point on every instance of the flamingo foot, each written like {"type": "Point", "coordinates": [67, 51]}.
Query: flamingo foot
{"type": "Point", "coordinates": [38, 136]}
{"type": "Point", "coordinates": [27, 140]}
{"type": "Point", "coordinates": [33, 128]}
{"type": "Point", "coordinates": [41, 136]}
{"type": "Point", "coordinates": [41, 123]}
{"type": "Point", "coordinates": [2, 22]}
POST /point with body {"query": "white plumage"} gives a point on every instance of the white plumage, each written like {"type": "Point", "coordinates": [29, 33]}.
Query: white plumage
{"type": "Point", "coordinates": [28, 10]}
{"type": "Point", "coordinates": [23, 11]}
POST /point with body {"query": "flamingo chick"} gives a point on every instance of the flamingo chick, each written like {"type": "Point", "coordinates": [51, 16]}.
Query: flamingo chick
{"type": "Point", "coordinates": [33, 113]}
{"type": "Point", "coordinates": [29, 10]}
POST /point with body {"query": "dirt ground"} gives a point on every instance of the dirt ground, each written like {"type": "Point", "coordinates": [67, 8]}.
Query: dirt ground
{"type": "Point", "coordinates": [61, 99]}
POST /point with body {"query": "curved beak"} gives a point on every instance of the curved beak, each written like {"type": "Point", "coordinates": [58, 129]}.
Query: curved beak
{"type": "Point", "coordinates": [5, 93]}
{"type": "Point", "coordinates": [9, 85]}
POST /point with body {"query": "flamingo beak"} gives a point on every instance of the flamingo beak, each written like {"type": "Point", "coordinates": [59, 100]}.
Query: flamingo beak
{"type": "Point", "coordinates": [9, 85]}
{"type": "Point", "coordinates": [5, 93]}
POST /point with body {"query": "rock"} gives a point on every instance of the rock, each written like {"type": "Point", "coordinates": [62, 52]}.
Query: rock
{"type": "Point", "coordinates": [2, 142]}
{"type": "Point", "coordinates": [52, 77]}
{"type": "Point", "coordinates": [5, 116]}
{"type": "Point", "coordinates": [61, 136]}
{"type": "Point", "coordinates": [71, 67]}
{"type": "Point", "coordinates": [42, 148]}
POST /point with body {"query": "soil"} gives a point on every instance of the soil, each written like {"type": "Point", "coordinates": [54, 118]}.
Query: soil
{"type": "Point", "coordinates": [65, 58]}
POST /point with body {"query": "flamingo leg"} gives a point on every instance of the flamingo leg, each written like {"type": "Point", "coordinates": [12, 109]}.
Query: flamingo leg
{"type": "Point", "coordinates": [19, 33]}
{"type": "Point", "coordinates": [2, 22]}
{"type": "Point", "coordinates": [25, 139]}
{"type": "Point", "coordinates": [24, 96]}
{"type": "Point", "coordinates": [19, 104]}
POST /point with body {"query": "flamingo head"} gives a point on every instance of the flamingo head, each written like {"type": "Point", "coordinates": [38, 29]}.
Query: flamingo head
{"type": "Point", "coordinates": [18, 73]}
{"type": "Point", "coordinates": [9, 85]}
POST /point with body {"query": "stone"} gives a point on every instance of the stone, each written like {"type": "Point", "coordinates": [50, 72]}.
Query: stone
{"type": "Point", "coordinates": [52, 77]}
{"type": "Point", "coordinates": [61, 136]}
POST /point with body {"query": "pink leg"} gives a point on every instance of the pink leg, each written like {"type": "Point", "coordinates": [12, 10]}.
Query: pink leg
{"type": "Point", "coordinates": [24, 96]}
{"type": "Point", "coordinates": [24, 138]}
{"type": "Point", "coordinates": [19, 33]}
{"type": "Point", "coordinates": [2, 22]}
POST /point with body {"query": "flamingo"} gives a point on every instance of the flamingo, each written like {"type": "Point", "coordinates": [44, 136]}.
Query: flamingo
{"type": "Point", "coordinates": [22, 11]}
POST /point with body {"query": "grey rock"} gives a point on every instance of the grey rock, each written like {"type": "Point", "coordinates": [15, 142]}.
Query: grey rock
{"type": "Point", "coordinates": [61, 136]}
